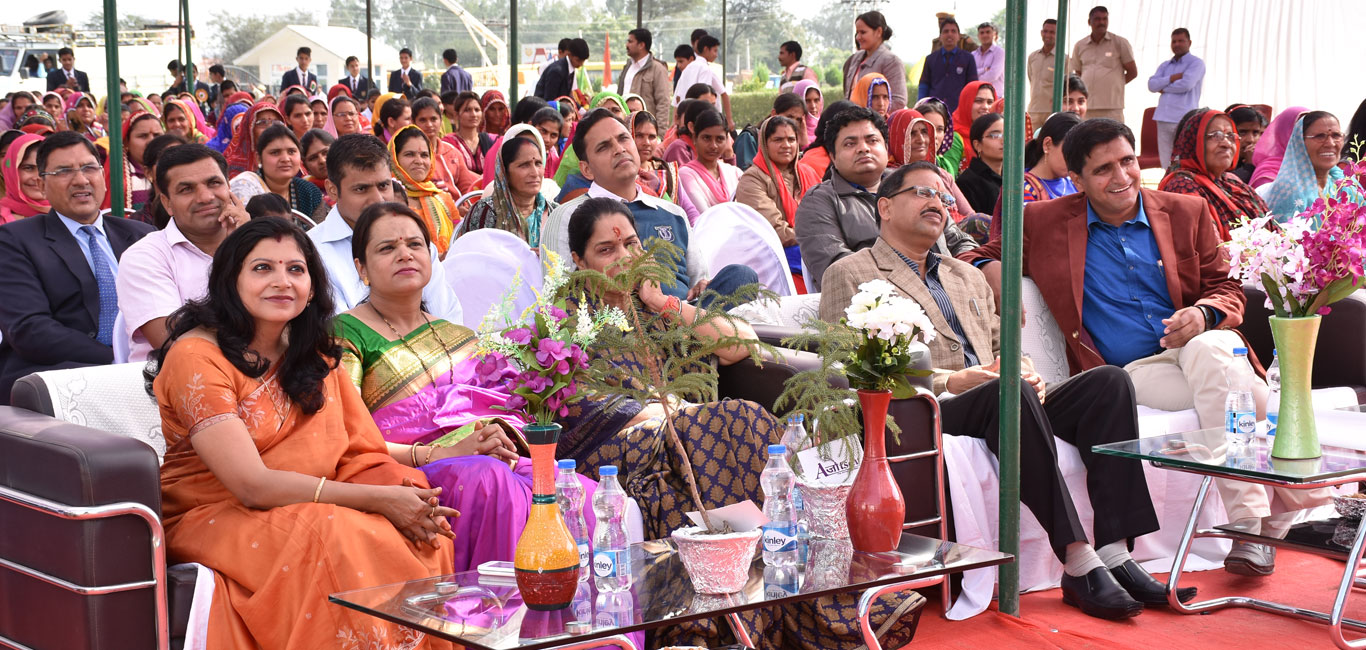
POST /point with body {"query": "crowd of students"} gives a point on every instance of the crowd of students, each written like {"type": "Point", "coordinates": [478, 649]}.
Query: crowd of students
{"type": "Point", "coordinates": [283, 273]}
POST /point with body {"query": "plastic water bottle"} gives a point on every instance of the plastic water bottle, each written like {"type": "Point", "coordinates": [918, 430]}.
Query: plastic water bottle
{"type": "Point", "coordinates": [611, 552]}
{"type": "Point", "coordinates": [780, 533]}
{"type": "Point", "coordinates": [781, 582]}
{"type": "Point", "coordinates": [614, 609]}
{"type": "Point", "coordinates": [1273, 397]}
{"type": "Point", "coordinates": [569, 495]}
{"type": "Point", "coordinates": [794, 438]}
{"type": "Point", "coordinates": [1240, 411]}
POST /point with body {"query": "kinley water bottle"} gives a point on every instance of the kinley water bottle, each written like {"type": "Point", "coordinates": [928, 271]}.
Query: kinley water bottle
{"type": "Point", "coordinates": [780, 533]}
{"type": "Point", "coordinates": [1240, 411]}
{"type": "Point", "coordinates": [569, 496]}
{"type": "Point", "coordinates": [794, 438]}
{"type": "Point", "coordinates": [611, 552]}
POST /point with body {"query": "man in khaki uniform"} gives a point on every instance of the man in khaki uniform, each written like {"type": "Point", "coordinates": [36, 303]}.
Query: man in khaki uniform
{"type": "Point", "coordinates": [1106, 63]}
{"type": "Point", "coordinates": [1039, 69]}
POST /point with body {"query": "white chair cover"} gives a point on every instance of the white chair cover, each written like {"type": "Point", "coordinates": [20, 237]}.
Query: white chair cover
{"type": "Point", "coordinates": [122, 339]}
{"type": "Point", "coordinates": [480, 266]}
{"type": "Point", "coordinates": [733, 233]}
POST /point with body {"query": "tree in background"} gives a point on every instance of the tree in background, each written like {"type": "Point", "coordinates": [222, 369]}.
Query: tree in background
{"type": "Point", "coordinates": [232, 34]}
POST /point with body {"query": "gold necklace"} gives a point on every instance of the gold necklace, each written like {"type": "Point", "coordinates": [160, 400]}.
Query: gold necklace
{"type": "Point", "coordinates": [404, 340]}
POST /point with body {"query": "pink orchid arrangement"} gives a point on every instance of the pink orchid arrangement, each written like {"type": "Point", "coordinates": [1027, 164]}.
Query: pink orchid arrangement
{"type": "Point", "coordinates": [543, 349]}
{"type": "Point", "coordinates": [1311, 260]}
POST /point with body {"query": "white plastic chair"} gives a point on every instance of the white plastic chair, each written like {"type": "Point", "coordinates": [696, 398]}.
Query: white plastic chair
{"type": "Point", "coordinates": [734, 233]}
{"type": "Point", "coordinates": [480, 266]}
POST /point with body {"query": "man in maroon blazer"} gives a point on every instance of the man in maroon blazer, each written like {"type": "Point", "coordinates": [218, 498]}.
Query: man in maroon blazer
{"type": "Point", "coordinates": [1137, 278]}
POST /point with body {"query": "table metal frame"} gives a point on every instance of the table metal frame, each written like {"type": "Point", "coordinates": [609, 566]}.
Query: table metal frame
{"type": "Point", "coordinates": [1335, 619]}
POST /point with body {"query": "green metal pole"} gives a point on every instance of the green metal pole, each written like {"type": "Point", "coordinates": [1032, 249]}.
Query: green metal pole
{"type": "Point", "coordinates": [189, 60]}
{"type": "Point", "coordinates": [1059, 60]}
{"type": "Point", "coordinates": [369, 57]}
{"type": "Point", "coordinates": [115, 109]}
{"type": "Point", "coordinates": [513, 53]}
{"type": "Point", "coordinates": [726, 48]}
{"type": "Point", "coordinates": [1012, 204]}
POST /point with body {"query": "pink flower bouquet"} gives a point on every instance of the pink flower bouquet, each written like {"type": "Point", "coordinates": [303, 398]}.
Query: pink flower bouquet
{"type": "Point", "coordinates": [1312, 259]}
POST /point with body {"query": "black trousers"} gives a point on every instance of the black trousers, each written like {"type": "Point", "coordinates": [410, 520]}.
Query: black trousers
{"type": "Point", "coordinates": [1092, 408]}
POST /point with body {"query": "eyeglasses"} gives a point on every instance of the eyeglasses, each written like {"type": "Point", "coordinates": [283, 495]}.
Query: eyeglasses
{"type": "Point", "coordinates": [927, 193]}
{"type": "Point", "coordinates": [266, 121]}
{"type": "Point", "coordinates": [1224, 136]}
{"type": "Point", "coordinates": [994, 136]}
{"type": "Point", "coordinates": [344, 114]}
{"type": "Point", "coordinates": [1320, 138]}
{"type": "Point", "coordinates": [65, 173]}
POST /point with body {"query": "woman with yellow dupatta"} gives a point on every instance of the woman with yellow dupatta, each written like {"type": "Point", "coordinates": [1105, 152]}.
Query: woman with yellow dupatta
{"type": "Point", "coordinates": [412, 157]}
{"type": "Point", "coordinates": [275, 476]}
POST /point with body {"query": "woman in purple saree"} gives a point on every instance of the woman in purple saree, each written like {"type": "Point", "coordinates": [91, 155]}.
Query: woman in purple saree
{"type": "Point", "coordinates": [418, 376]}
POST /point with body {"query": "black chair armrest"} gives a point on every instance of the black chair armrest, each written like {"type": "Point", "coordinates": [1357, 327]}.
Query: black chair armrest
{"type": "Point", "coordinates": [1339, 358]}
{"type": "Point", "coordinates": [774, 334]}
{"type": "Point", "coordinates": [75, 466]}
{"type": "Point", "coordinates": [763, 384]}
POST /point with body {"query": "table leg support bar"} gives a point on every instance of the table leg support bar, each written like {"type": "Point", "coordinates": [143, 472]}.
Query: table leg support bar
{"type": "Point", "coordinates": [865, 605]}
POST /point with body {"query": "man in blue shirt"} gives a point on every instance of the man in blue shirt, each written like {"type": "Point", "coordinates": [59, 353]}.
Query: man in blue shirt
{"type": "Point", "coordinates": [1179, 81]}
{"type": "Point", "coordinates": [947, 69]}
{"type": "Point", "coordinates": [1136, 278]}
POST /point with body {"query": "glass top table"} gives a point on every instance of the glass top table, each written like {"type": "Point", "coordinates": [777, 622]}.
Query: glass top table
{"type": "Point", "coordinates": [487, 613]}
{"type": "Point", "coordinates": [1207, 452]}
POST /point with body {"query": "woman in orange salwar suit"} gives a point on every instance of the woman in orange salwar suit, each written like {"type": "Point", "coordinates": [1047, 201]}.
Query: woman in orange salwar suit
{"type": "Point", "coordinates": [275, 475]}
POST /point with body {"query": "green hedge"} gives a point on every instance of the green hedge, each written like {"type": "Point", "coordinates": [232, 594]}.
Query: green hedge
{"type": "Point", "coordinates": [753, 107]}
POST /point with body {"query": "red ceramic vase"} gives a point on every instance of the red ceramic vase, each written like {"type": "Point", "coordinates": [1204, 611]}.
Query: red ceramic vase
{"type": "Point", "coordinates": [875, 508]}
{"type": "Point", "coordinates": [546, 559]}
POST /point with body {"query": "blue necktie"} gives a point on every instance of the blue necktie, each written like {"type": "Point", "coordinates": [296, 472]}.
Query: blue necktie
{"type": "Point", "coordinates": [104, 279]}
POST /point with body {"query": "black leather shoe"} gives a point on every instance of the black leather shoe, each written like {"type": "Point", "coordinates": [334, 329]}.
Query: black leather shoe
{"type": "Point", "coordinates": [1098, 594]}
{"type": "Point", "coordinates": [1144, 587]}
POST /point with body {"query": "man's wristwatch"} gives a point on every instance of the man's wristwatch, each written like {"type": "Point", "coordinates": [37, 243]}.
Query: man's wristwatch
{"type": "Point", "coordinates": [1210, 316]}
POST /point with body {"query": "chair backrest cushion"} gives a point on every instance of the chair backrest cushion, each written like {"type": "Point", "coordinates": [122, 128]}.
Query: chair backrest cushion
{"type": "Point", "coordinates": [480, 266]}
{"type": "Point", "coordinates": [734, 233]}
{"type": "Point", "coordinates": [1041, 340]}
{"type": "Point", "coordinates": [110, 398]}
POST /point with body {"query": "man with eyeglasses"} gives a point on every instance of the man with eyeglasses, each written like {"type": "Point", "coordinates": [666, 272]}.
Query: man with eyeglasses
{"type": "Point", "coordinates": [839, 216]}
{"type": "Point", "coordinates": [1091, 408]}
{"type": "Point", "coordinates": [1136, 279]}
{"type": "Point", "coordinates": [1178, 81]}
{"type": "Point", "coordinates": [59, 301]}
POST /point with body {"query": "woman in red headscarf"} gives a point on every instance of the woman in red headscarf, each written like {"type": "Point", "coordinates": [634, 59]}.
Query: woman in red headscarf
{"type": "Point", "coordinates": [241, 152]}
{"type": "Point", "coordinates": [775, 184]}
{"type": "Point", "coordinates": [140, 126]}
{"type": "Point", "coordinates": [497, 115]}
{"type": "Point", "coordinates": [974, 101]}
{"type": "Point", "coordinates": [1206, 150]}
{"type": "Point", "coordinates": [23, 187]}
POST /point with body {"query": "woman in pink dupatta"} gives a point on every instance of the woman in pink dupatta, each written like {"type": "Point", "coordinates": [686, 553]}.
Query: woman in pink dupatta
{"type": "Point", "coordinates": [1270, 150]}
{"type": "Point", "coordinates": [707, 180]}
{"type": "Point", "coordinates": [421, 380]}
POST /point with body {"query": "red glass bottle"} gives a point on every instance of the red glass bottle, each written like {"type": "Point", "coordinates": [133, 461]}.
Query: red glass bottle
{"type": "Point", "coordinates": [876, 509]}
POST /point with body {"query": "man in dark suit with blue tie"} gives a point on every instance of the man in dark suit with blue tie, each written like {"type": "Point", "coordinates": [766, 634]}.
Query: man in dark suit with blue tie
{"type": "Point", "coordinates": [58, 303]}
{"type": "Point", "coordinates": [558, 80]}
{"type": "Point", "coordinates": [406, 81]}
{"type": "Point", "coordinates": [301, 76]}
{"type": "Point", "coordinates": [67, 76]}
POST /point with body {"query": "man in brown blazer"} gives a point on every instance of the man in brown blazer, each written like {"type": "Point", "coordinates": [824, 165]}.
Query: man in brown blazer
{"type": "Point", "coordinates": [1091, 408]}
{"type": "Point", "coordinates": [1138, 279]}
{"type": "Point", "coordinates": [647, 76]}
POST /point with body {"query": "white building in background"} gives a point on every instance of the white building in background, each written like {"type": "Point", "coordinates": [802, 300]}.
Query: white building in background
{"type": "Point", "coordinates": [271, 58]}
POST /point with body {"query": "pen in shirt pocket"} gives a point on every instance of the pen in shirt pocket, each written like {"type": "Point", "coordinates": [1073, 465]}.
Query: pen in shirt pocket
{"type": "Point", "coordinates": [975, 309]}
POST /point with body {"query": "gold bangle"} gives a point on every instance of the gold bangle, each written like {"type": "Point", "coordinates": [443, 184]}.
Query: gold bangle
{"type": "Point", "coordinates": [319, 491]}
{"type": "Point", "coordinates": [412, 452]}
{"type": "Point", "coordinates": [427, 458]}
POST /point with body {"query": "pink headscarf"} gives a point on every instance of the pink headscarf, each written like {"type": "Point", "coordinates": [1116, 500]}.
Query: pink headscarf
{"type": "Point", "coordinates": [1270, 150]}
{"type": "Point", "coordinates": [16, 204]}
{"type": "Point", "coordinates": [800, 89]}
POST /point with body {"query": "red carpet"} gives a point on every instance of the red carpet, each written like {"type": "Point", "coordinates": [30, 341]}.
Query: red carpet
{"type": "Point", "coordinates": [1302, 580]}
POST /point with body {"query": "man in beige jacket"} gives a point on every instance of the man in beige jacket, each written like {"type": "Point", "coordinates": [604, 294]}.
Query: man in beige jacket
{"type": "Point", "coordinates": [1090, 408]}
{"type": "Point", "coordinates": [647, 76]}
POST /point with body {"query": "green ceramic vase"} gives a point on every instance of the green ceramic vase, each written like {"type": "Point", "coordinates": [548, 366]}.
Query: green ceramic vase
{"type": "Point", "coordinates": [1296, 435]}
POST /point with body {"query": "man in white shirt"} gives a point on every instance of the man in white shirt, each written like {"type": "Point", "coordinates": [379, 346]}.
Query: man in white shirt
{"type": "Point", "coordinates": [607, 154]}
{"type": "Point", "coordinates": [708, 48]}
{"type": "Point", "coordinates": [358, 177]}
{"type": "Point", "coordinates": [990, 58]}
{"type": "Point", "coordinates": [358, 85]}
{"type": "Point", "coordinates": [301, 76]}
